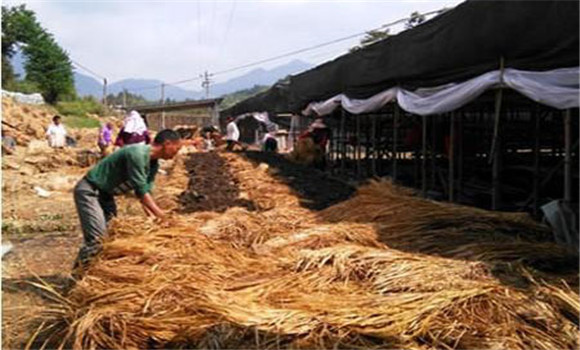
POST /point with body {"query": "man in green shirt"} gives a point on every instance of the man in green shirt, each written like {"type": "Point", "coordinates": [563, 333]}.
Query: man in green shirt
{"type": "Point", "coordinates": [130, 168]}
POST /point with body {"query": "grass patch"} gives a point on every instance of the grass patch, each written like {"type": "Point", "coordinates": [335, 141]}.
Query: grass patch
{"type": "Point", "coordinates": [76, 112]}
{"type": "Point", "coordinates": [77, 122]}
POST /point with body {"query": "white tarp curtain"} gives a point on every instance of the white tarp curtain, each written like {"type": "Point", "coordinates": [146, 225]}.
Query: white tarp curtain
{"type": "Point", "coordinates": [32, 99]}
{"type": "Point", "coordinates": [557, 88]}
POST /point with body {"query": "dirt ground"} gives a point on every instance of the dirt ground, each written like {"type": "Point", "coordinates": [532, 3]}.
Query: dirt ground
{"type": "Point", "coordinates": [45, 239]}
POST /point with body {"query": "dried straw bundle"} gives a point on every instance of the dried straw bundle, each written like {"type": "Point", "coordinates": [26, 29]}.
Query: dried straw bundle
{"type": "Point", "coordinates": [282, 278]}
{"type": "Point", "coordinates": [410, 223]}
{"type": "Point", "coordinates": [171, 287]}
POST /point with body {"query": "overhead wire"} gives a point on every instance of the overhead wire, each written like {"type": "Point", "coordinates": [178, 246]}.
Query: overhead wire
{"type": "Point", "coordinates": [88, 70]}
{"type": "Point", "coordinates": [198, 23]}
{"type": "Point", "coordinates": [270, 59]}
{"type": "Point", "coordinates": [309, 48]}
{"type": "Point", "coordinates": [229, 25]}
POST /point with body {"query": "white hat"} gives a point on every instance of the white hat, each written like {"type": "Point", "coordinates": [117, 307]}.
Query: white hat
{"type": "Point", "coordinates": [318, 124]}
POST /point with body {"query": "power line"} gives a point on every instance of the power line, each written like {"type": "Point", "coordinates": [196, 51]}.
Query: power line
{"type": "Point", "coordinates": [198, 23]}
{"type": "Point", "coordinates": [73, 65]}
{"type": "Point", "coordinates": [291, 53]}
{"type": "Point", "coordinates": [87, 69]}
{"type": "Point", "coordinates": [212, 21]}
{"type": "Point", "coordinates": [186, 80]}
{"type": "Point", "coordinates": [287, 54]}
{"type": "Point", "coordinates": [232, 11]}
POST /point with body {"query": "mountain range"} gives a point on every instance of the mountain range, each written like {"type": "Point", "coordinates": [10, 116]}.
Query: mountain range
{"type": "Point", "coordinates": [88, 86]}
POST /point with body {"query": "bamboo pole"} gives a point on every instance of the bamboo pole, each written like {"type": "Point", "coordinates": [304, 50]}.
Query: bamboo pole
{"type": "Point", "coordinates": [496, 180]}
{"type": "Point", "coordinates": [567, 158]}
{"type": "Point", "coordinates": [460, 157]}
{"type": "Point", "coordinates": [498, 101]}
{"type": "Point", "coordinates": [357, 150]}
{"type": "Point", "coordinates": [495, 155]}
{"type": "Point", "coordinates": [424, 158]}
{"type": "Point", "coordinates": [395, 141]}
{"type": "Point", "coordinates": [375, 152]}
{"type": "Point", "coordinates": [342, 142]}
{"type": "Point", "coordinates": [433, 147]}
{"type": "Point", "coordinates": [535, 190]}
{"type": "Point", "coordinates": [451, 158]}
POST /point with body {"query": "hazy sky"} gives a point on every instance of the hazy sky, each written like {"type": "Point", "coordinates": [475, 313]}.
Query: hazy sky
{"type": "Point", "coordinates": [176, 40]}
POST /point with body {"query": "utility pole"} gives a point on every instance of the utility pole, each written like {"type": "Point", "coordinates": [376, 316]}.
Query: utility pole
{"type": "Point", "coordinates": [163, 103]}
{"type": "Point", "coordinates": [124, 98]}
{"type": "Point", "coordinates": [205, 84]}
{"type": "Point", "coordinates": [105, 92]}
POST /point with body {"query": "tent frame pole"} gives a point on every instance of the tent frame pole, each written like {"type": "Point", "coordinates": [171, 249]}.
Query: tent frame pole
{"type": "Point", "coordinates": [567, 158]}
{"type": "Point", "coordinates": [496, 180]}
{"type": "Point", "coordinates": [424, 157]}
{"type": "Point", "coordinates": [342, 142]}
{"type": "Point", "coordinates": [395, 141]}
{"type": "Point", "coordinates": [495, 154]}
{"type": "Point", "coordinates": [535, 190]}
{"type": "Point", "coordinates": [459, 156]}
{"type": "Point", "coordinates": [452, 157]}
{"type": "Point", "coordinates": [432, 153]}
{"type": "Point", "coordinates": [375, 152]}
{"type": "Point", "coordinates": [358, 150]}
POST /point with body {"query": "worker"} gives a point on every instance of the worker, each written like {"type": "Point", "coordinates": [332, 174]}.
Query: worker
{"type": "Point", "coordinates": [56, 133]}
{"type": "Point", "coordinates": [232, 134]}
{"type": "Point", "coordinates": [130, 168]}
{"type": "Point", "coordinates": [209, 133]}
{"type": "Point", "coordinates": [8, 142]}
{"type": "Point", "coordinates": [269, 142]}
{"type": "Point", "coordinates": [320, 135]}
{"type": "Point", "coordinates": [106, 139]}
{"type": "Point", "coordinates": [134, 131]}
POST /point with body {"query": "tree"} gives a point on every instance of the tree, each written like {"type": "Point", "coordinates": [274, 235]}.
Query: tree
{"type": "Point", "coordinates": [129, 98]}
{"type": "Point", "coordinates": [18, 26]}
{"type": "Point", "coordinates": [371, 37]}
{"type": "Point", "coordinates": [415, 19]}
{"type": "Point", "coordinates": [48, 66]}
{"type": "Point", "coordinates": [240, 95]}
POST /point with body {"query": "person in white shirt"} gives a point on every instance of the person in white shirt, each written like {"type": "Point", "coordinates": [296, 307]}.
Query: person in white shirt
{"type": "Point", "coordinates": [232, 134]}
{"type": "Point", "coordinates": [56, 133]}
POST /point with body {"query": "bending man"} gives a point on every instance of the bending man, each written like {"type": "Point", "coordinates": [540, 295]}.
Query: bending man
{"type": "Point", "coordinates": [130, 168]}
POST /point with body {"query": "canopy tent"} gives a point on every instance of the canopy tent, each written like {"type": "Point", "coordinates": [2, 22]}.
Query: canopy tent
{"type": "Point", "coordinates": [458, 45]}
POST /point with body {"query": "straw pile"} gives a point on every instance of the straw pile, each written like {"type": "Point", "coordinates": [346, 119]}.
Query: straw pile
{"type": "Point", "coordinates": [305, 152]}
{"type": "Point", "coordinates": [25, 122]}
{"type": "Point", "coordinates": [284, 277]}
{"type": "Point", "coordinates": [407, 222]}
